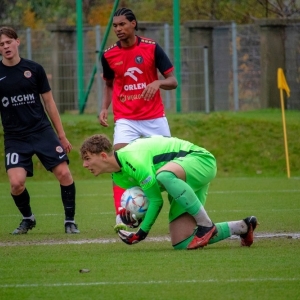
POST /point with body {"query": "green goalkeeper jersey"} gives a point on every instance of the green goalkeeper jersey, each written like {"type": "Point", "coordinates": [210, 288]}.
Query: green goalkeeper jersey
{"type": "Point", "coordinates": [139, 162]}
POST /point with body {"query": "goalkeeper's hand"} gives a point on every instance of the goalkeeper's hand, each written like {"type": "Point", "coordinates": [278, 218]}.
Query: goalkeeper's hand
{"type": "Point", "coordinates": [131, 238]}
{"type": "Point", "coordinates": [128, 219]}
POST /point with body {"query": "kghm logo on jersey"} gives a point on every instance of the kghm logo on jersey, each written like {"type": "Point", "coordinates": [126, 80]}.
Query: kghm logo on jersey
{"type": "Point", "coordinates": [5, 101]}
{"type": "Point", "coordinates": [27, 74]}
{"type": "Point", "coordinates": [18, 100]}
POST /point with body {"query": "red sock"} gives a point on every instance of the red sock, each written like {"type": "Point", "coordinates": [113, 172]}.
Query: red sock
{"type": "Point", "coordinates": [118, 192]}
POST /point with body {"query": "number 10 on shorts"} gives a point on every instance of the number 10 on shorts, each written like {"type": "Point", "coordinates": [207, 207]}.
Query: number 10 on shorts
{"type": "Point", "coordinates": [12, 158]}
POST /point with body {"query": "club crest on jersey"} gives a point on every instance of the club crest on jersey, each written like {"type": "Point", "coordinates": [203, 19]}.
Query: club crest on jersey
{"type": "Point", "coordinates": [27, 74]}
{"type": "Point", "coordinates": [59, 149]}
{"type": "Point", "coordinates": [139, 59]}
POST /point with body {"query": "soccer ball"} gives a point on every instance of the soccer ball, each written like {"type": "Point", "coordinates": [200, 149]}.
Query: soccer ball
{"type": "Point", "coordinates": [135, 201]}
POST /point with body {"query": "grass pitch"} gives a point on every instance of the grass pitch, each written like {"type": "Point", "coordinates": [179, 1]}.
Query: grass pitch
{"type": "Point", "coordinates": [251, 180]}
{"type": "Point", "coordinates": [45, 263]}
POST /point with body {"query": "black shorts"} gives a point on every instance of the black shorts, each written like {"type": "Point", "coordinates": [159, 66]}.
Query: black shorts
{"type": "Point", "coordinates": [45, 144]}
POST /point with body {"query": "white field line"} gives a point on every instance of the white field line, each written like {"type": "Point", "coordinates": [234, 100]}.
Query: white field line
{"type": "Point", "coordinates": [150, 282]}
{"type": "Point", "coordinates": [79, 195]}
{"type": "Point", "coordinates": [150, 239]}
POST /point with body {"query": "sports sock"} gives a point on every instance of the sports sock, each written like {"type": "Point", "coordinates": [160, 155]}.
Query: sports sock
{"type": "Point", "coordinates": [117, 193]}
{"type": "Point", "coordinates": [68, 194]}
{"type": "Point", "coordinates": [223, 233]}
{"type": "Point", "coordinates": [185, 196]}
{"type": "Point", "coordinates": [22, 202]}
{"type": "Point", "coordinates": [70, 221]}
{"type": "Point", "coordinates": [32, 218]}
{"type": "Point", "coordinates": [238, 227]}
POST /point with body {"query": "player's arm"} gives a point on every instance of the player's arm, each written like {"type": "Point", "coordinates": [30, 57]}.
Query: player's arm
{"type": "Point", "coordinates": [155, 205]}
{"type": "Point", "coordinates": [168, 83]}
{"type": "Point", "coordinates": [106, 101]}
{"type": "Point", "coordinates": [108, 76]}
{"type": "Point", "coordinates": [54, 116]}
{"type": "Point", "coordinates": [166, 68]}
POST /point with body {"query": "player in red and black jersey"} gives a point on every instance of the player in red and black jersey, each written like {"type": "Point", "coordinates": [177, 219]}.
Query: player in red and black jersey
{"type": "Point", "coordinates": [28, 131]}
{"type": "Point", "coordinates": [130, 71]}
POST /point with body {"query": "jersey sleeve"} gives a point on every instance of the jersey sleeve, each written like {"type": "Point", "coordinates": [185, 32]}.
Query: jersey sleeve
{"type": "Point", "coordinates": [43, 83]}
{"type": "Point", "coordinates": [162, 61]}
{"type": "Point", "coordinates": [108, 73]}
{"type": "Point", "coordinates": [155, 205]}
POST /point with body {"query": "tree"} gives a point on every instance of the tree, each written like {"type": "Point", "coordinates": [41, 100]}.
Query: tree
{"type": "Point", "coordinates": [38, 13]}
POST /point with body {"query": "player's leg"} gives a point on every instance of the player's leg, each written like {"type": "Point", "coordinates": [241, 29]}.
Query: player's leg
{"type": "Point", "coordinates": [68, 195]}
{"type": "Point", "coordinates": [52, 156]}
{"type": "Point", "coordinates": [183, 229]}
{"type": "Point", "coordinates": [172, 178]}
{"type": "Point", "coordinates": [125, 131]}
{"type": "Point", "coordinates": [18, 165]}
{"type": "Point", "coordinates": [158, 126]}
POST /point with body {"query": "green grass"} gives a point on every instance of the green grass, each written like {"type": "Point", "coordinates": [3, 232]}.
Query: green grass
{"type": "Point", "coordinates": [244, 143]}
{"type": "Point", "coordinates": [45, 263]}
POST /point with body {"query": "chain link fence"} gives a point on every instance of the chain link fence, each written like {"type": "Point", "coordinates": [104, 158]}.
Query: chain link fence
{"type": "Point", "coordinates": [233, 66]}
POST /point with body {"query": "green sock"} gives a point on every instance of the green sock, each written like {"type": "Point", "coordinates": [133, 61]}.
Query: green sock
{"type": "Point", "coordinates": [223, 233]}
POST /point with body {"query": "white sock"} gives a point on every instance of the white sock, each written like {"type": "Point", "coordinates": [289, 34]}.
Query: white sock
{"type": "Point", "coordinates": [29, 218]}
{"type": "Point", "coordinates": [70, 221]}
{"type": "Point", "coordinates": [202, 219]}
{"type": "Point", "coordinates": [238, 227]}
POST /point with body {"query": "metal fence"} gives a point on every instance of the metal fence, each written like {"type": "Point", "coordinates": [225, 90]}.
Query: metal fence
{"type": "Point", "coordinates": [234, 67]}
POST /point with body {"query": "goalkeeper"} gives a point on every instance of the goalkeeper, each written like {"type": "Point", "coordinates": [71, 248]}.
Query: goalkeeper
{"type": "Point", "coordinates": [180, 168]}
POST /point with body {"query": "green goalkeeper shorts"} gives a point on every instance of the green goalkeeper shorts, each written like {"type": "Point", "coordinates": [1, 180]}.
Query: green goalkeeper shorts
{"type": "Point", "coordinates": [200, 169]}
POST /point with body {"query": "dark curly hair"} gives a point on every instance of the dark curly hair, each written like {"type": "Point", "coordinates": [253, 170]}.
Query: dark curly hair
{"type": "Point", "coordinates": [128, 14]}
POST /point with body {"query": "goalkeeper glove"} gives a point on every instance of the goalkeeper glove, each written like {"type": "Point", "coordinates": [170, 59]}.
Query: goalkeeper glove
{"type": "Point", "coordinates": [131, 238]}
{"type": "Point", "coordinates": [128, 219]}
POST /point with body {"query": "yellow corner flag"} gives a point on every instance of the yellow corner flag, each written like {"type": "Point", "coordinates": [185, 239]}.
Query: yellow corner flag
{"type": "Point", "coordinates": [282, 85]}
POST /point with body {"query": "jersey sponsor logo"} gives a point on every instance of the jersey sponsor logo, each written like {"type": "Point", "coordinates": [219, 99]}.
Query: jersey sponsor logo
{"type": "Point", "coordinates": [135, 87]}
{"type": "Point", "coordinates": [18, 100]}
{"type": "Point", "coordinates": [27, 74]}
{"type": "Point", "coordinates": [2, 78]}
{"type": "Point", "coordinates": [5, 101]}
{"type": "Point", "coordinates": [61, 156]}
{"type": "Point", "coordinates": [139, 59]}
{"type": "Point", "coordinates": [124, 98]}
{"type": "Point", "coordinates": [130, 72]}
{"type": "Point", "coordinates": [59, 149]}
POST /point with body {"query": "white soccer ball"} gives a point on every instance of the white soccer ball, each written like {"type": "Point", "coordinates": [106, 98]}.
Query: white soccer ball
{"type": "Point", "coordinates": [135, 201]}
